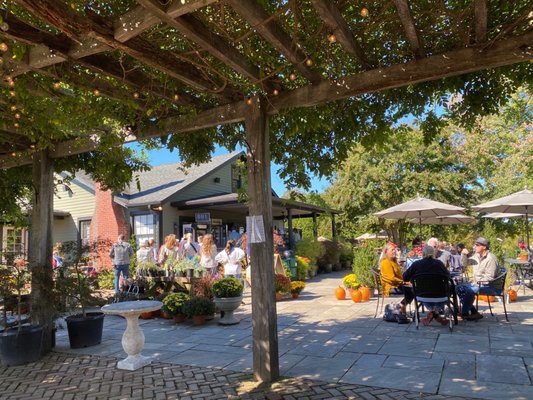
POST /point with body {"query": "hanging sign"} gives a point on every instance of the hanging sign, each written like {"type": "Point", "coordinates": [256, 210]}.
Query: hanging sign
{"type": "Point", "coordinates": [202, 218]}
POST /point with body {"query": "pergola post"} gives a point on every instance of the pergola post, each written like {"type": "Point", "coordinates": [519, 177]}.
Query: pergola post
{"type": "Point", "coordinates": [315, 227]}
{"type": "Point", "coordinates": [40, 255]}
{"type": "Point", "coordinates": [333, 227]}
{"type": "Point", "coordinates": [289, 227]}
{"type": "Point", "coordinates": [264, 316]}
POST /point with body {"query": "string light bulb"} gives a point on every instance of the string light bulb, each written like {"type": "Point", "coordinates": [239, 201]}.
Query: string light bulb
{"type": "Point", "coordinates": [249, 101]}
{"type": "Point", "coordinates": [13, 108]}
{"type": "Point", "coordinates": [332, 38]}
{"type": "Point", "coordinates": [275, 92]}
{"type": "Point", "coordinates": [96, 92]}
{"type": "Point", "coordinates": [17, 115]}
{"type": "Point", "coordinates": [14, 154]}
{"type": "Point", "coordinates": [4, 47]}
{"type": "Point", "coordinates": [16, 124]}
{"type": "Point", "coordinates": [135, 95]}
{"type": "Point", "coordinates": [11, 83]}
{"type": "Point", "coordinates": [32, 146]}
{"type": "Point", "coordinates": [308, 62]}
{"type": "Point", "coordinates": [292, 77]}
{"type": "Point", "coordinates": [176, 97]}
{"type": "Point", "coordinates": [364, 12]}
{"type": "Point", "coordinates": [57, 85]}
{"type": "Point", "coordinates": [12, 93]}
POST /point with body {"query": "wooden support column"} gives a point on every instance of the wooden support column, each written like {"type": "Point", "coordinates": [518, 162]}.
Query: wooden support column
{"type": "Point", "coordinates": [264, 316]}
{"type": "Point", "coordinates": [289, 227]}
{"type": "Point", "coordinates": [40, 256]}
{"type": "Point", "coordinates": [333, 227]}
{"type": "Point", "coordinates": [315, 227]}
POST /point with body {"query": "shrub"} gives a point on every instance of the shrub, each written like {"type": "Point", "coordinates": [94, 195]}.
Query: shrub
{"type": "Point", "coordinates": [173, 303]}
{"type": "Point", "coordinates": [297, 286]}
{"type": "Point", "coordinates": [364, 259]}
{"type": "Point", "coordinates": [311, 249]}
{"type": "Point", "coordinates": [198, 306]}
{"type": "Point", "coordinates": [302, 266]}
{"type": "Point", "coordinates": [106, 280]}
{"type": "Point", "coordinates": [228, 287]}
{"type": "Point", "coordinates": [283, 284]}
{"type": "Point", "coordinates": [203, 287]}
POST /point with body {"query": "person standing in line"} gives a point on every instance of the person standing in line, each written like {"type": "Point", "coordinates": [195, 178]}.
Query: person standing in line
{"type": "Point", "coordinates": [168, 254]}
{"type": "Point", "coordinates": [208, 252]}
{"type": "Point", "coordinates": [234, 235]}
{"type": "Point", "coordinates": [120, 253]}
{"type": "Point", "coordinates": [231, 258]}
{"type": "Point", "coordinates": [151, 244]}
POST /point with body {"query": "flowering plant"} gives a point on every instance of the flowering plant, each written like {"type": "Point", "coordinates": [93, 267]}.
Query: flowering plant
{"type": "Point", "coordinates": [350, 281]}
{"type": "Point", "coordinates": [283, 284]}
{"type": "Point", "coordinates": [297, 287]}
{"type": "Point", "coordinates": [13, 278]}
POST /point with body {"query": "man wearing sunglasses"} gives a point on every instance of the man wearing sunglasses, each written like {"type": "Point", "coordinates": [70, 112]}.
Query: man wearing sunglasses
{"type": "Point", "coordinates": [485, 269]}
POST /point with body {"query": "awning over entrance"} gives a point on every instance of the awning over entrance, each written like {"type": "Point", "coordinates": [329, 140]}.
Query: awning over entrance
{"type": "Point", "coordinates": [229, 202]}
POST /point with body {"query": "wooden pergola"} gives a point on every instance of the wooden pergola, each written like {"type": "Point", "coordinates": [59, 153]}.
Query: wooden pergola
{"type": "Point", "coordinates": [236, 61]}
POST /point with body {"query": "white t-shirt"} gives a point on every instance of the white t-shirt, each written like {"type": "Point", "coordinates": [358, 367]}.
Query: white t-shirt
{"type": "Point", "coordinates": [231, 261]}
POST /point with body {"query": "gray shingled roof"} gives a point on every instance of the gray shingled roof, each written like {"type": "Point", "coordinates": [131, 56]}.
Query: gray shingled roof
{"type": "Point", "coordinates": [162, 181]}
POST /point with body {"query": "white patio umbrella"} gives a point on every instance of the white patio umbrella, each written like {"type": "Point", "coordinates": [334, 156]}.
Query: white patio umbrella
{"type": "Point", "coordinates": [498, 215]}
{"type": "Point", "coordinates": [418, 209]}
{"type": "Point", "coordinates": [519, 202]}
{"type": "Point", "coordinates": [373, 236]}
{"type": "Point", "coordinates": [457, 219]}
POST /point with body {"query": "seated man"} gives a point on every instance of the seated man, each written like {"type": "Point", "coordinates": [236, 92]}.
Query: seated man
{"type": "Point", "coordinates": [428, 265]}
{"type": "Point", "coordinates": [485, 269]}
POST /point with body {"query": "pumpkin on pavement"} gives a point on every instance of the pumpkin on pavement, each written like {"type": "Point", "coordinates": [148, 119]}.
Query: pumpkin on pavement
{"type": "Point", "coordinates": [340, 293]}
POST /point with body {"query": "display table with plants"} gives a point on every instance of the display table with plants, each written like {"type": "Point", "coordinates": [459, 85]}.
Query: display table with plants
{"type": "Point", "coordinates": [133, 338]}
{"type": "Point", "coordinates": [227, 294]}
{"type": "Point", "coordinates": [20, 343]}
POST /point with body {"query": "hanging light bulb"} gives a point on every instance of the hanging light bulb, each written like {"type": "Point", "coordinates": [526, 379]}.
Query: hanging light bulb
{"type": "Point", "coordinates": [13, 108]}
{"type": "Point", "coordinates": [4, 47]}
{"type": "Point", "coordinates": [332, 38]}
{"type": "Point", "coordinates": [17, 115]}
{"type": "Point", "coordinates": [57, 85]}
{"type": "Point", "coordinates": [11, 83]}
{"type": "Point", "coordinates": [96, 92]}
{"type": "Point", "coordinates": [249, 101]}
{"type": "Point", "coordinates": [14, 154]}
{"type": "Point", "coordinates": [292, 77]}
{"type": "Point", "coordinates": [176, 97]}
{"type": "Point", "coordinates": [16, 124]}
{"type": "Point", "coordinates": [135, 95]}
{"type": "Point", "coordinates": [4, 26]}
{"type": "Point", "coordinates": [32, 146]}
{"type": "Point", "coordinates": [308, 62]}
{"type": "Point", "coordinates": [275, 92]}
{"type": "Point", "coordinates": [12, 93]}
{"type": "Point", "coordinates": [364, 12]}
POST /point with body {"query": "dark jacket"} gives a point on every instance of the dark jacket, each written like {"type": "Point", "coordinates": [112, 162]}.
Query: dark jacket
{"type": "Point", "coordinates": [425, 266]}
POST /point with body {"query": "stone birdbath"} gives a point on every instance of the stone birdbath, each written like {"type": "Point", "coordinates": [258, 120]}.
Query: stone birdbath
{"type": "Point", "coordinates": [133, 338]}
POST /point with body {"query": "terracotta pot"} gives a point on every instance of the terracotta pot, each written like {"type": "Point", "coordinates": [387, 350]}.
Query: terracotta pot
{"type": "Point", "coordinates": [166, 315]}
{"type": "Point", "coordinates": [179, 318]}
{"type": "Point", "coordinates": [295, 295]}
{"type": "Point", "coordinates": [146, 315]}
{"type": "Point", "coordinates": [198, 320]}
{"type": "Point", "coordinates": [279, 296]}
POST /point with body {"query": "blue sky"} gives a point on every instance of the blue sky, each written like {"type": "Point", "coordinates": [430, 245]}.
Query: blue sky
{"type": "Point", "coordinates": [164, 156]}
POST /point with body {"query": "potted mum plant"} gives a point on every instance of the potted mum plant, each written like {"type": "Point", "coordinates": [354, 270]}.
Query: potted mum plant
{"type": "Point", "coordinates": [228, 297]}
{"type": "Point", "coordinates": [283, 286]}
{"type": "Point", "coordinates": [296, 288]}
{"type": "Point", "coordinates": [173, 304]}
{"type": "Point", "coordinates": [198, 308]}
{"type": "Point", "coordinates": [20, 343]}
{"type": "Point", "coordinates": [350, 282]}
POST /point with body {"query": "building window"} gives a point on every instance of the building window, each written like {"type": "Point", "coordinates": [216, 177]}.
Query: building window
{"type": "Point", "coordinates": [14, 245]}
{"type": "Point", "coordinates": [145, 227]}
{"type": "Point", "coordinates": [85, 231]}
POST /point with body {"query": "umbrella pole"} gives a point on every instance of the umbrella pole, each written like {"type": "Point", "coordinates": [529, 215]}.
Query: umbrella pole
{"type": "Point", "coordinates": [527, 230]}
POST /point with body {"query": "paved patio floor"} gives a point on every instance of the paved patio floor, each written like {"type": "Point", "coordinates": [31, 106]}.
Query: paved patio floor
{"type": "Point", "coordinates": [328, 349]}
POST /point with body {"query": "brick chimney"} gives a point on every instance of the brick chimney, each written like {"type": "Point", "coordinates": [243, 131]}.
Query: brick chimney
{"type": "Point", "coordinates": [110, 220]}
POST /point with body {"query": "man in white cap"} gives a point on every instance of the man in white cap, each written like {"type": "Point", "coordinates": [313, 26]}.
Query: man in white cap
{"type": "Point", "coordinates": [485, 269]}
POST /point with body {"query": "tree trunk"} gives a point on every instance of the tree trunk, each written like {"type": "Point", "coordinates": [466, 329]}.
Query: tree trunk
{"type": "Point", "coordinates": [40, 257]}
{"type": "Point", "coordinates": [264, 316]}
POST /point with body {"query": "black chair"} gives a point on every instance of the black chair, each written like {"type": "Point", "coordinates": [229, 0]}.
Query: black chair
{"type": "Point", "coordinates": [434, 288]}
{"type": "Point", "coordinates": [494, 287]}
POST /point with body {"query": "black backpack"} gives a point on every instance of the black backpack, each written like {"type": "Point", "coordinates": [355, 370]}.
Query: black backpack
{"type": "Point", "coordinates": [392, 314]}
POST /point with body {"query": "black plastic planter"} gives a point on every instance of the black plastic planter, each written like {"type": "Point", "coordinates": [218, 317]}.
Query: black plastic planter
{"type": "Point", "coordinates": [18, 348]}
{"type": "Point", "coordinates": [85, 331]}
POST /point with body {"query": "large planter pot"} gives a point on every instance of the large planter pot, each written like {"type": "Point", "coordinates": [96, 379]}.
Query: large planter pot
{"type": "Point", "coordinates": [18, 348]}
{"type": "Point", "coordinates": [198, 320]}
{"type": "Point", "coordinates": [179, 318]}
{"type": "Point", "coordinates": [228, 305]}
{"type": "Point", "coordinates": [85, 331]}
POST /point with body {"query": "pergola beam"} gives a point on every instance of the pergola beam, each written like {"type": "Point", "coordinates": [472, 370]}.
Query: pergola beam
{"type": "Point", "coordinates": [404, 12]}
{"type": "Point", "coordinates": [480, 19]}
{"type": "Point", "coordinates": [273, 32]}
{"type": "Point", "coordinates": [332, 17]}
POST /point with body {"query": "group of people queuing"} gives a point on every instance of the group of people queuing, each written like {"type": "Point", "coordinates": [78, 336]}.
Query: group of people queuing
{"type": "Point", "coordinates": [439, 258]}
{"type": "Point", "coordinates": [202, 251]}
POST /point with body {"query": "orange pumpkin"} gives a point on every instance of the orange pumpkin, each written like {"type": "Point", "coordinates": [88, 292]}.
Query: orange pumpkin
{"type": "Point", "coordinates": [365, 293]}
{"type": "Point", "coordinates": [340, 293]}
{"type": "Point", "coordinates": [356, 296]}
{"type": "Point", "coordinates": [484, 297]}
{"type": "Point", "coordinates": [513, 295]}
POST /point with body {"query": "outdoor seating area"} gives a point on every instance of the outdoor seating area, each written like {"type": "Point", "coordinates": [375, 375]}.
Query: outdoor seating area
{"type": "Point", "coordinates": [325, 339]}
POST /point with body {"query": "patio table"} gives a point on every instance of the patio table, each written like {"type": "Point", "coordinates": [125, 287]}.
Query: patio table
{"type": "Point", "coordinates": [133, 338]}
{"type": "Point", "coordinates": [524, 270]}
